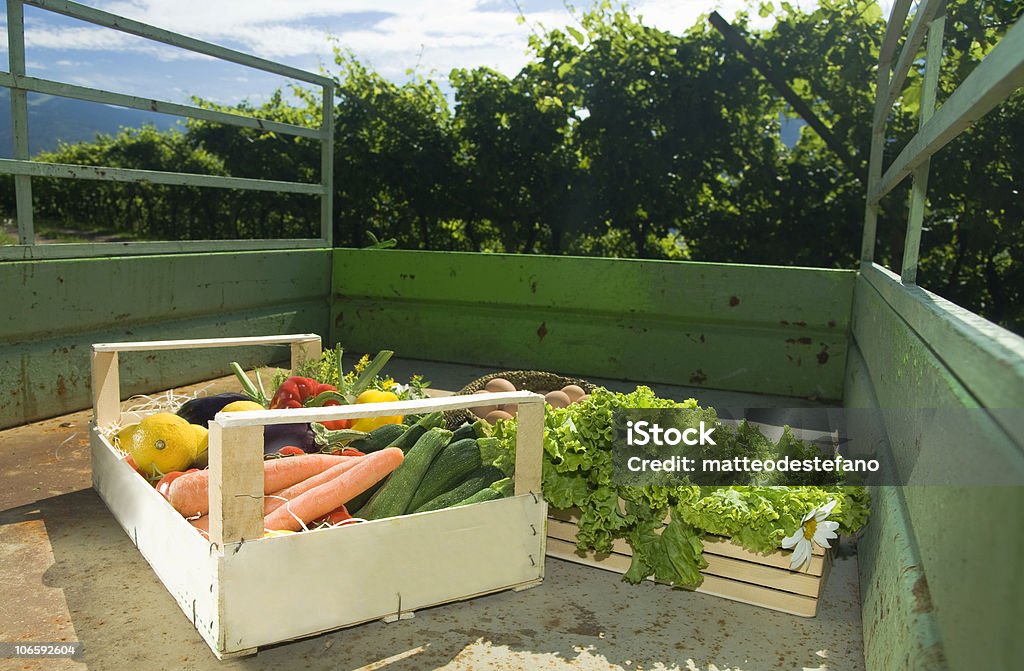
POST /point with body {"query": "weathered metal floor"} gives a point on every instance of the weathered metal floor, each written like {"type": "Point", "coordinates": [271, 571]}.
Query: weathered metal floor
{"type": "Point", "coordinates": [69, 573]}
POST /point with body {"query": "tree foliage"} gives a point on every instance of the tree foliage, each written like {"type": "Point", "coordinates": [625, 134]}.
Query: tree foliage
{"type": "Point", "coordinates": [615, 139]}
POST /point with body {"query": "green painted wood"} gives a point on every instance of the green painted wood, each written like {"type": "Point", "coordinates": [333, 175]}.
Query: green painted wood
{"type": "Point", "coordinates": [900, 632]}
{"type": "Point", "coordinates": [970, 539]}
{"type": "Point", "coordinates": [991, 82]}
{"type": "Point", "coordinates": [49, 87]}
{"type": "Point", "coordinates": [54, 310]}
{"type": "Point", "coordinates": [23, 169]}
{"type": "Point", "coordinates": [11, 166]}
{"type": "Point", "coordinates": [919, 188]}
{"type": "Point", "coordinates": [19, 120]}
{"type": "Point", "coordinates": [749, 328]}
{"type": "Point", "coordinates": [923, 16]}
{"type": "Point", "coordinates": [51, 298]}
{"type": "Point", "coordinates": [986, 359]}
{"type": "Point", "coordinates": [79, 250]}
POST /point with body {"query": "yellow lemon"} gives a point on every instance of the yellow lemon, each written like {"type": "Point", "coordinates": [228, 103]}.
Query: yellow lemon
{"type": "Point", "coordinates": [239, 406]}
{"type": "Point", "coordinates": [271, 533]}
{"type": "Point", "coordinates": [123, 438]}
{"type": "Point", "coordinates": [202, 445]}
{"type": "Point", "coordinates": [163, 443]}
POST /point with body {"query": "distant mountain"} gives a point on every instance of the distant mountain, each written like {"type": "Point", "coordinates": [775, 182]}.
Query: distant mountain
{"type": "Point", "coordinates": [52, 119]}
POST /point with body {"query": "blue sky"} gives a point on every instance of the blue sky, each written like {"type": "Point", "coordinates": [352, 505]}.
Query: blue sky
{"type": "Point", "coordinates": [391, 36]}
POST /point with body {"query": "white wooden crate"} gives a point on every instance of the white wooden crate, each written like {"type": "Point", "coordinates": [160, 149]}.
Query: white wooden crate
{"type": "Point", "coordinates": [226, 585]}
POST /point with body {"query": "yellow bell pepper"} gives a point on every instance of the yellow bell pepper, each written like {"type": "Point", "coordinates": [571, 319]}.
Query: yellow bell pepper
{"type": "Point", "coordinates": [368, 424]}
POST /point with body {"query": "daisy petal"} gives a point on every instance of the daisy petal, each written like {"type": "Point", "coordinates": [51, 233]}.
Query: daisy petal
{"type": "Point", "coordinates": [825, 510]}
{"type": "Point", "coordinates": [790, 541]}
{"type": "Point", "coordinates": [821, 541]}
{"type": "Point", "coordinates": [801, 554]}
{"type": "Point", "coordinates": [828, 526]}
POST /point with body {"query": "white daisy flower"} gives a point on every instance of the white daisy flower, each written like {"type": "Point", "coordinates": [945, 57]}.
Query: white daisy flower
{"type": "Point", "coordinates": [813, 528]}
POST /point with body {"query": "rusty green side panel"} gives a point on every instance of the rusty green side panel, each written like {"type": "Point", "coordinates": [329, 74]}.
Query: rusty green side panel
{"type": "Point", "coordinates": [54, 310]}
{"type": "Point", "coordinates": [968, 541]}
{"type": "Point", "coordinates": [756, 329]}
{"type": "Point", "coordinates": [900, 628]}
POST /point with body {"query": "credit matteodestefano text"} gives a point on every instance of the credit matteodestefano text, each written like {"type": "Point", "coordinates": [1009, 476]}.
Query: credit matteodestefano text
{"type": "Point", "coordinates": [706, 452]}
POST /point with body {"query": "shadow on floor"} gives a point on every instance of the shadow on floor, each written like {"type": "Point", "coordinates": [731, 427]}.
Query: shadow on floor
{"type": "Point", "coordinates": [580, 618]}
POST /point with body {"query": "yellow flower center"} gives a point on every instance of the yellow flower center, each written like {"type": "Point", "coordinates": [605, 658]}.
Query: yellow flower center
{"type": "Point", "coordinates": [810, 526]}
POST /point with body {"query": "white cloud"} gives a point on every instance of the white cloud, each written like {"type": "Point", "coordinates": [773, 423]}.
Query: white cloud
{"type": "Point", "coordinates": [391, 36]}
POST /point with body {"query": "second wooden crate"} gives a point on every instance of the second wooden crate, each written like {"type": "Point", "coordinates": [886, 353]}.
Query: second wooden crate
{"type": "Point", "coordinates": [732, 572]}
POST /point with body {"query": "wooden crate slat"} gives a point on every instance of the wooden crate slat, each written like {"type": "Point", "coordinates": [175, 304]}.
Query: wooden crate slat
{"type": "Point", "coordinates": [734, 590]}
{"type": "Point", "coordinates": [732, 572]}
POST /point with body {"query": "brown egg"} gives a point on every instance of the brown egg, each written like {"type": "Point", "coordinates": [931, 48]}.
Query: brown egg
{"type": "Point", "coordinates": [574, 392]}
{"type": "Point", "coordinates": [583, 398]}
{"type": "Point", "coordinates": [496, 415]}
{"type": "Point", "coordinates": [557, 399]}
{"type": "Point", "coordinates": [499, 384]}
{"type": "Point", "coordinates": [483, 410]}
{"type": "Point", "coordinates": [510, 408]}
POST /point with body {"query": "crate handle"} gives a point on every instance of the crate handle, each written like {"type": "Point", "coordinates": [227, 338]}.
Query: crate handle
{"type": "Point", "coordinates": [106, 383]}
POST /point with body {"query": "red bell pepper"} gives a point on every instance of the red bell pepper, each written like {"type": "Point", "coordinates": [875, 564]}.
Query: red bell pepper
{"type": "Point", "coordinates": [336, 516]}
{"type": "Point", "coordinates": [299, 392]}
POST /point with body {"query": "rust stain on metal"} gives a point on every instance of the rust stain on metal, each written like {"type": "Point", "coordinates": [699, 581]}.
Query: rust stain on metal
{"type": "Point", "coordinates": [533, 286]}
{"type": "Point", "coordinates": [799, 341]}
{"type": "Point", "coordinates": [733, 301]}
{"type": "Point", "coordinates": [698, 377]}
{"type": "Point", "coordinates": [405, 276]}
{"type": "Point", "coordinates": [823, 355]}
{"type": "Point", "coordinates": [831, 323]}
{"type": "Point", "coordinates": [542, 330]}
{"type": "Point", "coordinates": [800, 323]}
{"type": "Point", "coordinates": [922, 595]}
{"type": "Point", "coordinates": [62, 387]}
{"type": "Point", "coordinates": [784, 322]}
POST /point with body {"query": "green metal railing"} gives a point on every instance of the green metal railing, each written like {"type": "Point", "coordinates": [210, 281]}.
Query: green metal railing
{"type": "Point", "coordinates": [24, 169]}
{"type": "Point", "coordinates": [993, 81]}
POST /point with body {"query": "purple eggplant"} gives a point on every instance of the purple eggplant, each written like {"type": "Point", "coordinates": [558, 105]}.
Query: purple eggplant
{"type": "Point", "coordinates": [202, 409]}
{"type": "Point", "coordinates": [276, 436]}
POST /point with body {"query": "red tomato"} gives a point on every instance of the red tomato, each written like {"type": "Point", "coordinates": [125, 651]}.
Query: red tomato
{"type": "Point", "coordinates": [337, 516]}
{"type": "Point", "coordinates": [131, 462]}
{"type": "Point", "coordinates": [290, 450]}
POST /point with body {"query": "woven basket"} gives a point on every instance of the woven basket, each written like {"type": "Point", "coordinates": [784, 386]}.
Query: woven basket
{"type": "Point", "coordinates": [528, 380]}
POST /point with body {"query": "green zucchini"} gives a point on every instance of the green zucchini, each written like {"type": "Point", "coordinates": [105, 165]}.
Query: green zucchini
{"type": "Point", "coordinates": [417, 430]}
{"type": "Point", "coordinates": [465, 431]}
{"type": "Point", "coordinates": [485, 494]}
{"type": "Point", "coordinates": [456, 461]}
{"type": "Point", "coordinates": [477, 480]}
{"type": "Point", "coordinates": [379, 438]}
{"type": "Point", "coordinates": [393, 498]}
{"type": "Point", "coordinates": [353, 506]}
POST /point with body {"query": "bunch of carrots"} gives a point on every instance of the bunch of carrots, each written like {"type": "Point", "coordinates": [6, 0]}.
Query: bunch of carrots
{"type": "Point", "coordinates": [299, 491]}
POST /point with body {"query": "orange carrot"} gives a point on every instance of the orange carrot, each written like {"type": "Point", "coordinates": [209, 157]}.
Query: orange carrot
{"type": "Point", "coordinates": [321, 500]}
{"type": "Point", "coordinates": [279, 498]}
{"type": "Point", "coordinates": [189, 493]}
{"type": "Point", "coordinates": [202, 524]}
